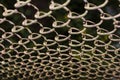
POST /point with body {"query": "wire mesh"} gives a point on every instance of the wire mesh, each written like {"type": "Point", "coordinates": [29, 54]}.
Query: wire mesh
{"type": "Point", "coordinates": [59, 43]}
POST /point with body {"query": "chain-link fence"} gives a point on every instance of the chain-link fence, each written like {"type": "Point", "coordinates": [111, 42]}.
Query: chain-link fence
{"type": "Point", "coordinates": [59, 40]}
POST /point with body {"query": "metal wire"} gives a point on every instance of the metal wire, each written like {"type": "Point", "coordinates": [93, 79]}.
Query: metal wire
{"type": "Point", "coordinates": [30, 50]}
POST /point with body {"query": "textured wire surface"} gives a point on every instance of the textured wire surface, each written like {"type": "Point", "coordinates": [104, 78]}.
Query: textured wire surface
{"type": "Point", "coordinates": [30, 50]}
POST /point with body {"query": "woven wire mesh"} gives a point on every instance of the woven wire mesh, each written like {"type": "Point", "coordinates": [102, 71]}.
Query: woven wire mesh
{"type": "Point", "coordinates": [59, 43]}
